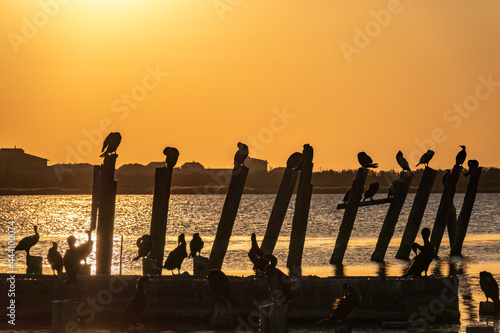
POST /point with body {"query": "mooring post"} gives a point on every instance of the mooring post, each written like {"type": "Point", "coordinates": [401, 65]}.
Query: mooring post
{"type": "Point", "coordinates": [391, 219]}
{"type": "Point", "coordinates": [416, 213]}
{"type": "Point", "coordinates": [96, 190]}
{"type": "Point", "coordinates": [301, 213]}
{"type": "Point", "coordinates": [106, 215]}
{"type": "Point", "coordinates": [228, 216]}
{"type": "Point", "coordinates": [465, 212]}
{"type": "Point", "coordinates": [451, 224]}
{"type": "Point", "coordinates": [279, 210]}
{"type": "Point", "coordinates": [349, 217]}
{"type": "Point", "coordinates": [161, 197]}
{"type": "Point", "coordinates": [445, 207]}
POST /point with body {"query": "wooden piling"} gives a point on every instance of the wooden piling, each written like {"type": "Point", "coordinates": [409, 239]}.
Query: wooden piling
{"type": "Point", "coordinates": [106, 215]}
{"type": "Point", "coordinates": [96, 190]}
{"type": "Point", "coordinates": [349, 217]}
{"type": "Point", "coordinates": [445, 207]}
{"type": "Point", "coordinates": [416, 213]}
{"type": "Point", "coordinates": [391, 219]}
{"type": "Point", "coordinates": [228, 215]}
{"type": "Point", "coordinates": [301, 213]}
{"type": "Point", "coordinates": [34, 265]}
{"type": "Point", "coordinates": [279, 210]}
{"type": "Point", "coordinates": [465, 212]}
{"type": "Point", "coordinates": [451, 224]}
{"type": "Point", "coordinates": [161, 198]}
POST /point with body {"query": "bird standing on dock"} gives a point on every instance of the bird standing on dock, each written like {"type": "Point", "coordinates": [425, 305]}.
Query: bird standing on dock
{"type": "Point", "coordinates": [111, 143]}
{"type": "Point", "coordinates": [137, 305]}
{"type": "Point", "coordinates": [144, 243]}
{"type": "Point", "coordinates": [85, 249]}
{"type": "Point", "coordinates": [370, 192]}
{"type": "Point", "coordinates": [472, 164]}
{"type": "Point", "coordinates": [343, 306]}
{"type": "Point", "coordinates": [425, 159]}
{"type": "Point", "coordinates": [27, 243]}
{"type": "Point", "coordinates": [366, 161]}
{"type": "Point", "coordinates": [172, 155]}
{"type": "Point", "coordinates": [490, 288]}
{"type": "Point", "coordinates": [278, 282]}
{"type": "Point", "coordinates": [240, 156]}
{"type": "Point", "coordinates": [422, 260]}
{"type": "Point", "coordinates": [176, 257]}
{"type": "Point", "coordinates": [256, 256]}
{"type": "Point", "coordinates": [72, 261]}
{"type": "Point", "coordinates": [55, 259]}
{"type": "Point", "coordinates": [461, 156]}
{"type": "Point", "coordinates": [295, 161]}
{"type": "Point", "coordinates": [195, 245]}
{"type": "Point", "coordinates": [403, 163]}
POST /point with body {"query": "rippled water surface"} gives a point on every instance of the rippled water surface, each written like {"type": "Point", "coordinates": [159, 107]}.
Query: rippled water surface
{"type": "Point", "coordinates": [60, 216]}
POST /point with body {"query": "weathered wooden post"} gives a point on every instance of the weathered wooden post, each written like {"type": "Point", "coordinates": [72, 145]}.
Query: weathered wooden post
{"type": "Point", "coordinates": [96, 190]}
{"type": "Point", "coordinates": [416, 213]}
{"type": "Point", "coordinates": [106, 216]}
{"type": "Point", "coordinates": [391, 219]}
{"type": "Point", "coordinates": [280, 206]}
{"type": "Point", "coordinates": [229, 212]}
{"type": "Point", "coordinates": [301, 214]}
{"type": "Point", "coordinates": [349, 217]}
{"type": "Point", "coordinates": [444, 209]}
{"type": "Point", "coordinates": [159, 215]}
{"type": "Point", "coordinates": [451, 224]}
{"type": "Point", "coordinates": [465, 212]}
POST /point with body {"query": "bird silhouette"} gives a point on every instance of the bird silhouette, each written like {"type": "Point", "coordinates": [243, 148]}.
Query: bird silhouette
{"type": "Point", "coordinates": [55, 259]}
{"type": "Point", "coordinates": [172, 155]}
{"type": "Point", "coordinates": [295, 161]}
{"type": "Point", "coordinates": [366, 161]}
{"type": "Point", "coordinates": [343, 306]}
{"type": "Point", "coordinates": [307, 153]}
{"type": "Point", "coordinates": [422, 260]}
{"type": "Point", "coordinates": [403, 163]}
{"type": "Point", "coordinates": [370, 192]}
{"type": "Point", "coordinates": [111, 143]}
{"type": "Point", "coordinates": [426, 158]}
{"type": "Point", "coordinates": [71, 261]}
{"type": "Point", "coordinates": [195, 245]}
{"type": "Point", "coordinates": [393, 189]}
{"type": "Point", "coordinates": [256, 256]}
{"type": "Point", "coordinates": [490, 288]}
{"type": "Point", "coordinates": [176, 257]}
{"type": "Point", "coordinates": [278, 282]}
{"type": "Point", "coordinates": [28, 242]}
{"type": "Point", "coordinates": [85, 249]}
{"type": "Point", "coordinates": [472, 164]}
{"type": "Point", "coordinates": [346, 196]}
{"type": "Point", "coordinates": [240, 156]}
{"type": "Point", "coordinates": [461, 156]}
{"type": "Point", "coordinates": [137, 305]}
{"type": "Point", "coordinates": [145, 244]}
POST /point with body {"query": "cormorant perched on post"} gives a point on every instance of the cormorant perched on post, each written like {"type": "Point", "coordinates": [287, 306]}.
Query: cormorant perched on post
{"type": "Point", "coordinates": [346, 196]}
{"type": "Point", "coordinates": [394, 188]}
{"type": "Point", "coordinates": [343, 306]}
{"type": "Point", "coordinates": [460, 159]}
{"type": "Point", "coordinates": [55, 259]}
{"type": "Point", "coordinates": [370, 192]}
{"type": "Point", "coordinates": [490, 288]}
{"type": "Point", "coordinates": [278, 282]}
{"type": "Point", "coordinates": [403, 163]}
{"type": "Point", "coordinates": [27, 243]}
{"type": "Point", "coordinates": [421, 261]}
{"type": "Point", "coordinates": [137, 305]}
{"type": "Point", "coordinates": [144, 243]}
{"type": "Point", "coordinates": [85, 249]}
{"type": "Point", "coordinates": [256, 256]}
{"type": "Point", "coordinates": [472, 164]}
{"type": "Point", "coordinates": [240, 156]}
{"type": "Point", "coordinates": [307, 152]}
{"type": "Point", "coordinates": [366, 161]}
{"type": "Point", "coordinates": [111, 143]}
{"type": "Point", "coordinates": [71, 261]}
{"type": "Point", "coordinates": [220, 285]}
{"type": "Point", "coordinates": [426, 158]}
{"type": "Point", "coordinates": [172, 155]}
{"type": "Point", "coordinates": [176, 257]}
{"type": "Point", "coordinates": [195, 245]}
{"type": "Point", "coordinates": [445, 176]}
{"type": "Point", "coordinates": [295, 161]}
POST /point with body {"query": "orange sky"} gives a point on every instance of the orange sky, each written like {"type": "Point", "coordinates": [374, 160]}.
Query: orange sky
{"type": "Point", "coordinates": [344, 76]}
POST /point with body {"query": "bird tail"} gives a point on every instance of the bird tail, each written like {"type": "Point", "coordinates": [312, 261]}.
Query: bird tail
{"type": "Point", "coordinates": [102, 155]}
{"type": "Point", "coordinates": [417, 164]}
{"type": "Point", "coordinates": [373, 165]}
{"type": "Point", "coordinates": [136, 258]}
